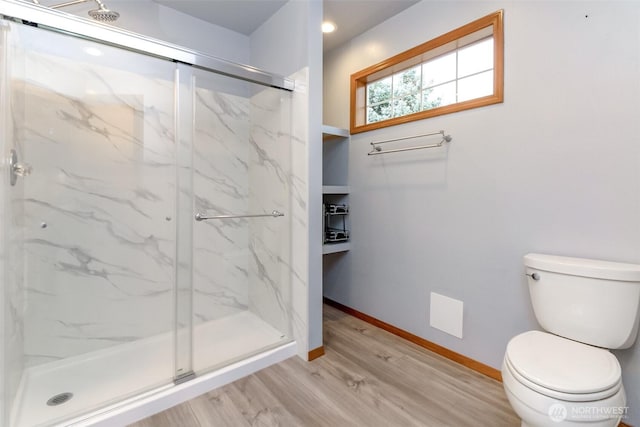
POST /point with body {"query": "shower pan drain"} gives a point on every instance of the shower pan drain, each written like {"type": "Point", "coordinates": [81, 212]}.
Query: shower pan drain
{"type": "Point", "coordinates": [59, 399]}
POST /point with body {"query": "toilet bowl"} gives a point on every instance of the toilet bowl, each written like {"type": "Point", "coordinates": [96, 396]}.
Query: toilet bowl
{"type": "Point", "coordinates": [553, 381]}
{"type": "Point", "coordinates": [566, 376]}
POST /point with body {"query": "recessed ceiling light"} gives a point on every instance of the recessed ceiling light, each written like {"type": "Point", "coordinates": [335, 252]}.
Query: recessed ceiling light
{"type": "Point", "coordinates": [328, 27]}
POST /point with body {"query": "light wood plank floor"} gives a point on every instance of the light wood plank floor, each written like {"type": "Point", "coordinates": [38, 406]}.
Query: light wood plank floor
{"type": "Point", "coordinates": [368, 377]}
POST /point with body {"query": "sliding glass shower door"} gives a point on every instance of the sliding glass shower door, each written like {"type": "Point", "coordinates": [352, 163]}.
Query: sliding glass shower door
{"type": "Point", "coordinates": [146, 223]}
{"type": "Point", "coordinates": [93, 200]}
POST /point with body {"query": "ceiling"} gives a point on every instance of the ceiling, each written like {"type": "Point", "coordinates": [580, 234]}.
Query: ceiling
{"type": "Point", "coordinates": [352, 17]}
{"type": "Point", "coordinates": [241, 16]}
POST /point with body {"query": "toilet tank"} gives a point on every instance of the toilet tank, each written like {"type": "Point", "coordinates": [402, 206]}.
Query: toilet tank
{"type": "Point", "coordinates": [591, 301]}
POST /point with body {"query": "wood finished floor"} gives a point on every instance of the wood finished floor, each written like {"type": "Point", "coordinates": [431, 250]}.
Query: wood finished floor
{"type": "Point", "coordinates": [368, 377]}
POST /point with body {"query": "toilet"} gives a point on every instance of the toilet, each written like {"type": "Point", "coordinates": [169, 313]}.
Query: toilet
{"type": "Point", "coordinates": [566, 376]}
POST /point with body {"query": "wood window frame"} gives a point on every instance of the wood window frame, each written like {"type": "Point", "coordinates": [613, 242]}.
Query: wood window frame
{"type": "Point", "coordinates": [360, 79]}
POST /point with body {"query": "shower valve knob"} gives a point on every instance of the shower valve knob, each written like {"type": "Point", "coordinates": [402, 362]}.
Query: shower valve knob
{"type": "Point", "coordinates": [22, 169]}
{"type": "Point", "coordinates": [17, 169]}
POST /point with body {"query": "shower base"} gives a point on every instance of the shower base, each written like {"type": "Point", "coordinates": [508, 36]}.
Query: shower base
{"type": "Point", "coordinates": [109, 376]}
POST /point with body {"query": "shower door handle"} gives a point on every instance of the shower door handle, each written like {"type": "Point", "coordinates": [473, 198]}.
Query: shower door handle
{"type": "Point", "coordinates": [202, 217]}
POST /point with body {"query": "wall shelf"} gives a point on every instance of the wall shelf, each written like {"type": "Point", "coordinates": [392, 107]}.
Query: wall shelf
{"type": "Point", "coordinates": [335, 189]}
{"type": "Point", "coordinates": [332, 248]}
{"type": "Point", "coordinates": [329, 132]}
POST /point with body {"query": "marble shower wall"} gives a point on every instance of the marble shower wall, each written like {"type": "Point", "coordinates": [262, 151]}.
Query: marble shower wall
{"type": "Point", "coordinates": [220, 186]}
{"type": "Point", "coordinates": [269, 190]}
{"type": "Point", "coordinates": [278, 175]}
{"type": "Point", "coordinates": [242, 152]}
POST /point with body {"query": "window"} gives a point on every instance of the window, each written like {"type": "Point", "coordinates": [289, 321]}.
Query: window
{"type": "Point", "coordinates": [457, 71]}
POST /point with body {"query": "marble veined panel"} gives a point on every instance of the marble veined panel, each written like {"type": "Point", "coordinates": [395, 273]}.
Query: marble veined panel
{"type": "Point", "coordinates": [13, 298]}
{"type": "Point", "coordinates": [99, 226]}
{"type": "Point", "coordinates": [220, 187]}
{"type": "Point", "coordinates": [270, 184]}
{"type": "Point", "coordinates": [299, 262]}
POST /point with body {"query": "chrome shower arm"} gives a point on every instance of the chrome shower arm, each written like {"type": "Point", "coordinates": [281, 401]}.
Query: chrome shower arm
{"type": "Point", "coordinates": [102, 13]}
{"type": "Point", "coordinates": [69, 3]}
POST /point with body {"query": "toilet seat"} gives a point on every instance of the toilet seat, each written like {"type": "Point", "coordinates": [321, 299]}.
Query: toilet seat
{"type": "Point", "coordinates": [561, 368]}
{"type": "Point", "coordinates": [567, 397]}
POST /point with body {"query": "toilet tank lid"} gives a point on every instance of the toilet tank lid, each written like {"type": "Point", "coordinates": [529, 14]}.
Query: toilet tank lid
{"type": "Point", "coordinates": [584, 267]}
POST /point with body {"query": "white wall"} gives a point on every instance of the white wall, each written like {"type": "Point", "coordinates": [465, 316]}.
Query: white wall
{"type": "Point", "coordinates": [163, 23]}
{"type": "Point", "coordinates": [554, 169]}
{"type": "Point", "coordinates": [290, 44]}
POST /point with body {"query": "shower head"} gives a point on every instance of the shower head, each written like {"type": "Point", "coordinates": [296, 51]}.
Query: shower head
{"type": "Point", "coordinates": [103, 14]}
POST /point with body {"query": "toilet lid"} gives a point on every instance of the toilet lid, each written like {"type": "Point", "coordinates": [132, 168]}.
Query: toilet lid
{"type": "Point", "coordinates": [562, 365]}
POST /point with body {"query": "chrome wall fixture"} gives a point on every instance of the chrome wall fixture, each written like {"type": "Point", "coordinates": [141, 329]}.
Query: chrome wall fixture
{"type": "Point", "coordinates": [102, 13]}
{"type": "Point", "coordinates": [16, 169]}
{"type": "Point", "coordinates": [376, 149]}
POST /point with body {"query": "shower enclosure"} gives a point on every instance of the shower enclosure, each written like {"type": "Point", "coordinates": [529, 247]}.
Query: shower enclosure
{"type": "Point", "coordinates": [145, 200]}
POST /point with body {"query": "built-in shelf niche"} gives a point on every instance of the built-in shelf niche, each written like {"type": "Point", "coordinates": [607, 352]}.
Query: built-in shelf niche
{"type": "Point", "coordinates": [335, 156]}
{"type": "Point", "coordinates": [335, 175]}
